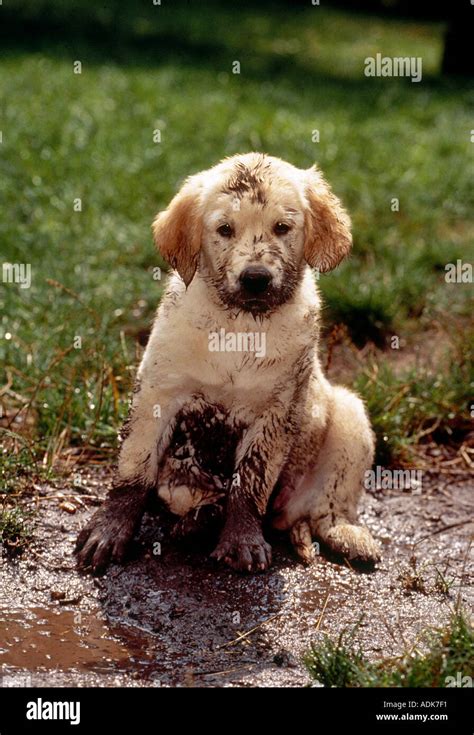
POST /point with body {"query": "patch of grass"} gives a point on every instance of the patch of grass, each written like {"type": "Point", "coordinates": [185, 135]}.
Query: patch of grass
{"type": "Point", "coordinates": [337, 664]}
{"type": "Point", "coordinates": [15, 530]}
{"type": "Point", "coordinates": [13, 467]}
{"type": "Point", "coordinates": [419, 403]}
{"type": "Point", "coordinates": [447, 652]}
{"type": "Point", "coordinates": [19, 465]}
{"type": "Point", "coordinates": [367, 310]}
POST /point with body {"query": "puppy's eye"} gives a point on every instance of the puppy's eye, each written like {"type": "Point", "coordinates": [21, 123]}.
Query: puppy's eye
{"type": "Point", "coordinates": [225, 230]}
{"type": "Point", "coordinates": [281, 228]}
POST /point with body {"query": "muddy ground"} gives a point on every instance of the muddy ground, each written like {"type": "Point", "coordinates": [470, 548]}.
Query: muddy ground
{"type": "Point", "coordinates": [173, 617]}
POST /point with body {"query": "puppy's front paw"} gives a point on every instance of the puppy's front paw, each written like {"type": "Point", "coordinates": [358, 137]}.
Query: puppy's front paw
{"type": "Point", "coordinates": [104, 539]}
{"type": "Point", "coordinates": [245, 552]}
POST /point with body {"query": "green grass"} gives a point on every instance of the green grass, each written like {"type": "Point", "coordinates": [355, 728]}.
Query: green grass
{"type": "Point", "coordinates": [432, 400]}
{"type": "Point", "coordinates": [336, 664]}
{"type": "Point", "coordinates": [90, 136]}
{"type": "Point", "coordinates": [15, 531]}
{"type": "Point", "coordinates": [445, 652]}
{"type": "Point", "coordinates": [20, 465]}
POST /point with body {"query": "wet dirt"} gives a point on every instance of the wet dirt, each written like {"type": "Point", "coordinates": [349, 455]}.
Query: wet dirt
{"type": "Point", "coordinates": [172, 617]}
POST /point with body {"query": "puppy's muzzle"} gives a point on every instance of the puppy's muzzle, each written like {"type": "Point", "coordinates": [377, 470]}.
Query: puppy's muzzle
{"type": "Point", "coordinates": [255, 280]}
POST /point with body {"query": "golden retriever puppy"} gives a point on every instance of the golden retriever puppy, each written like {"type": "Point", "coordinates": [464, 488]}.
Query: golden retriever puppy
{"type": "Point", "coordinates": [232, 419]}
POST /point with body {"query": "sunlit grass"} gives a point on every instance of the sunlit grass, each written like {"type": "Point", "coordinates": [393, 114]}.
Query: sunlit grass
{"type": "Point", "coordinates": [443, 653]}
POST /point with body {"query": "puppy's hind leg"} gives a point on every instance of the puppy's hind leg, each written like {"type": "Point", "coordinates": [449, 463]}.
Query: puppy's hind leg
{"type": "Point", "coordinates": [338, 479]}
{"type": "Point", "coordinates": [322, 502]}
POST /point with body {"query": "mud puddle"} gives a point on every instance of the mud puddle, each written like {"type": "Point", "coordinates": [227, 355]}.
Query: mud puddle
{"type": "Point", "coordinates": [42, 639]}
{"type": "Point", "coordinates": [178, 619]}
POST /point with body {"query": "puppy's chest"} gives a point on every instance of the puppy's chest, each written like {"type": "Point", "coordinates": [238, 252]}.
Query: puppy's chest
{"type": "Point", "coordinates": [239, 363]}
{"type": "Point", "coordinates": [240, 359]}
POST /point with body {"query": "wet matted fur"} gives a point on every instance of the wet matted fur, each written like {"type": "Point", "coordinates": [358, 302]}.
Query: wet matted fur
{"type": "Point", "coordinates": [232, 417]}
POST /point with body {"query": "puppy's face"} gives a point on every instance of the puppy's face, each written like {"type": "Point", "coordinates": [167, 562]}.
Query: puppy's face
{"type": "Point", "coordinates": [249, 226]}
{"type": "Point", "coordinates": [253, 237]}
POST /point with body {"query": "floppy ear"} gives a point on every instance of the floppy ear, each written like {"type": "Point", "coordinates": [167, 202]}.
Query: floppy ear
{"type": "Point", "coordinates": [328, 234]}
{"type": "Point", "coordinates": [177, 231]}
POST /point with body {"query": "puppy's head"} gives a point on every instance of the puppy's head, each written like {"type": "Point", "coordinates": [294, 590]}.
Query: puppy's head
{"type": "Point", "coordinates": [250, 225]}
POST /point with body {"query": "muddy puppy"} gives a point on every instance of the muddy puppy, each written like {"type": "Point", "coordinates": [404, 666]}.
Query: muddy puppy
{"type": "Point", "coordinates": [232, 419]}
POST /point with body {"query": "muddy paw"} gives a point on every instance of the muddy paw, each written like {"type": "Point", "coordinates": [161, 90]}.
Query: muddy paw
{"type": "Point", "coordinates": [353, 542]}
{"type": "Point", "coordinates": [302, 541]}
{"type": "Point", "coordinates": [244, 553]}
{"type": "Point", "coordinates": [104, 539]}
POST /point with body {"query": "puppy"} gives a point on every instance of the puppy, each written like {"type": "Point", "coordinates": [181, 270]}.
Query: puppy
{"type": "Point", "coordinates": [232, 420]}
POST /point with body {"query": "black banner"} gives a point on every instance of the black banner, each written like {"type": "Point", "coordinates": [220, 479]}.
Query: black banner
{"type": "Point", "coordinates": [76, 710]}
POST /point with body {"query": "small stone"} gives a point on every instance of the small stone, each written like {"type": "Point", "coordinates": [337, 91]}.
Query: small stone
{"type": "Point", "coordinates": [68, 507]}
{"type": "Point", "coordinates": [57, 595]}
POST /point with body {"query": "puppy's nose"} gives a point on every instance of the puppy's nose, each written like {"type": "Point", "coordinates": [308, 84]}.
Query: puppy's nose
{"type": "Point", "coordinates": [255, 279]}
